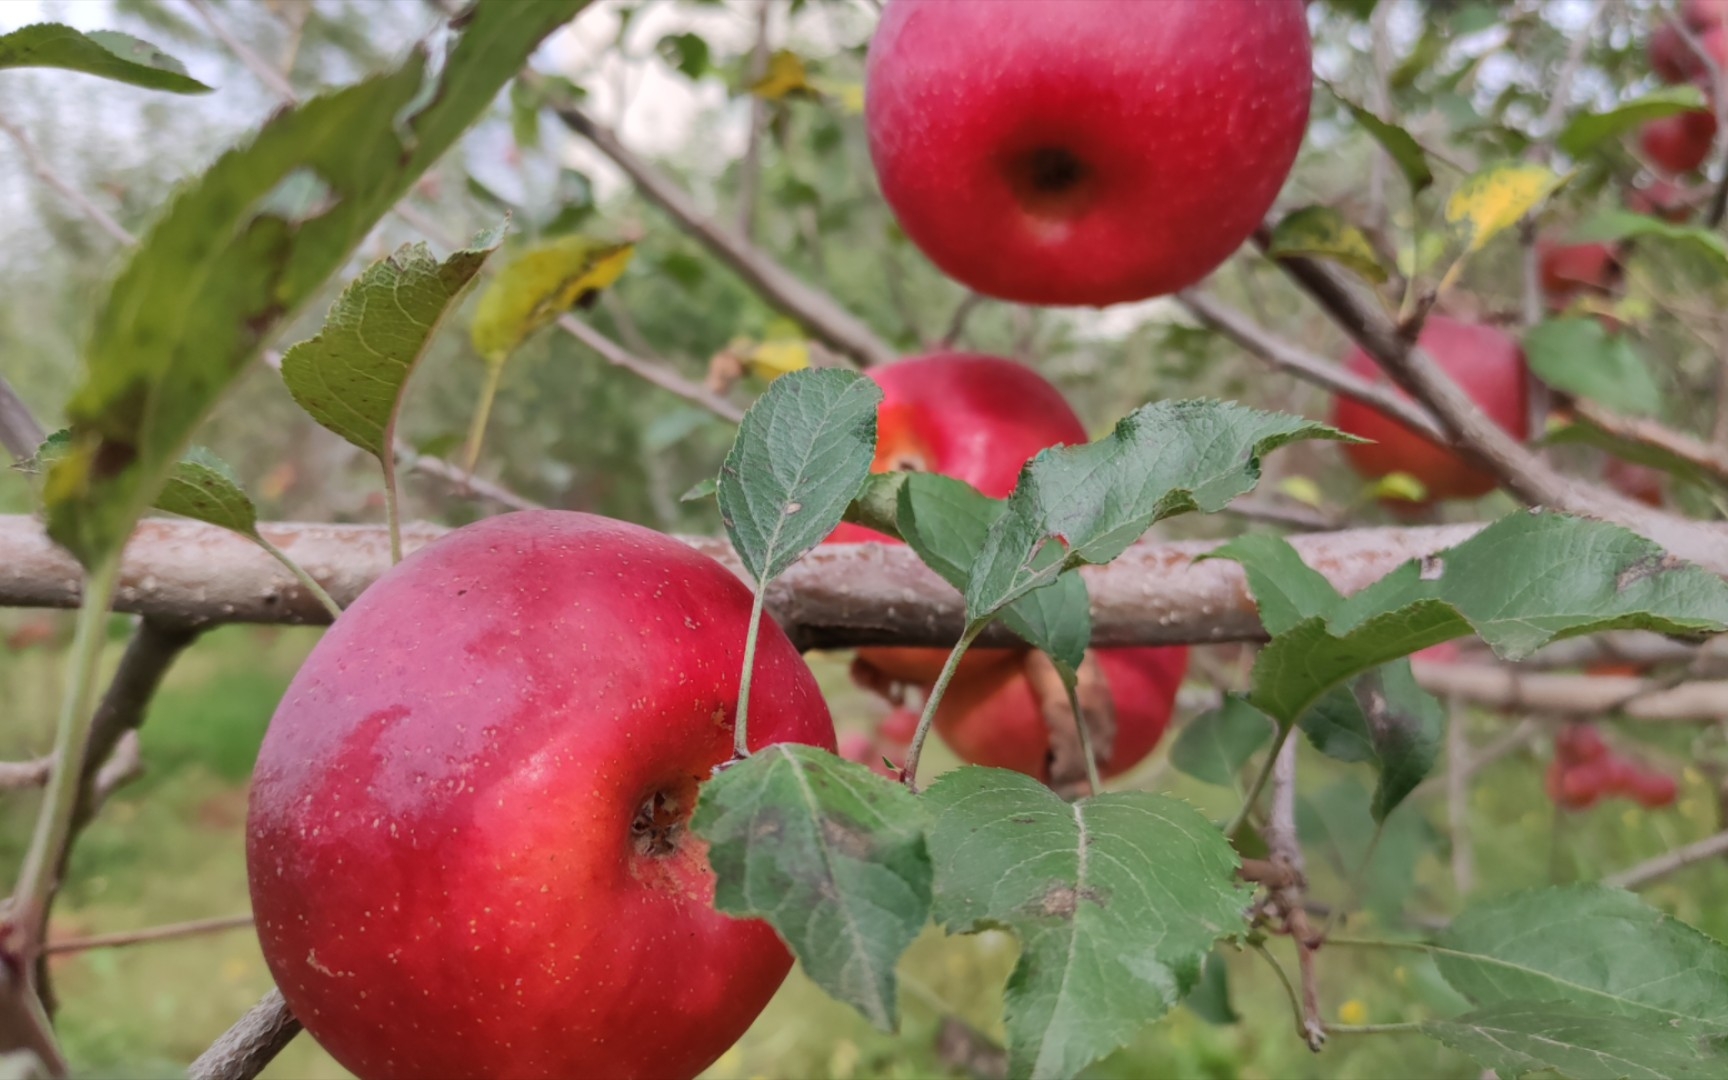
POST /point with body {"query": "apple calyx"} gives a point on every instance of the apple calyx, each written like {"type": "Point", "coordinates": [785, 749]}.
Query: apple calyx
{"type": "Point", "coordinates": [659, 824]}
{"type": "Point", "coordinates": [1051, 182]}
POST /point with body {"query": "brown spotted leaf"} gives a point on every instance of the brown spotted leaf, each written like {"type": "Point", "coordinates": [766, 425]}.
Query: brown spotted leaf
{"type": "Point", "coordinates": [1116, 900]}
{"type": "Point", "coordinates": [832, 856]}
{"type": "Point", "coordinates": [1522, 582]}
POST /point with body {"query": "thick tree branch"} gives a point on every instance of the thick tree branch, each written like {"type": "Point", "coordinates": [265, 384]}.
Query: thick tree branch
{"type": "Point", "coordinates": [1470, 431]}
{"type": "Point", "coordinates": [252, 1043]}
{"type": "Point", "coordinates": [811, 308]}
{"type": "Point", "coordinates": [1306, 366]}
{"type": "Point", "coordinates": [1521, 692]}
{"type": "Point", "coordinates": [837, 596]}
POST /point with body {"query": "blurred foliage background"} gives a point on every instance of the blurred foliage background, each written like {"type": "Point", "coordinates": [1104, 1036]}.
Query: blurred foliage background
{"type": "Point", "coordinates": [1472, 81]}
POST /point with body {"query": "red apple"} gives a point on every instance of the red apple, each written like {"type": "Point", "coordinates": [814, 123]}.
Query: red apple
{"type": "Point", "coordinates": [999, 723]}
{"type": "Point", "coordinates": [1679, 143]}
{"type": "Point", "coordinates": [468, 844]}
{"type": "Point", "coordinates": [975, 418]}
{"type": "Point", "coordinates": [1701, 16]}
{"type": "Point", "coordinates": [1486, 363]}
{"type": "Point", "coordinates": [1661, 198]}
{"type": "Point", "coordinates": [1634, 481]}
{"type": "Point", "coordinates": [1572, 270]}
{"type": "Point", "coordinates": [1052, 152]}
{"type": "Point", "coordinates": [1654, 790]}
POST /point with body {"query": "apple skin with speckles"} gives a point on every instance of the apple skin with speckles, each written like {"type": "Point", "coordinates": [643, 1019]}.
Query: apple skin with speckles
{"type": "Point", "coordinates": [467, 841]}
{"type": "Point", "coordinates": [1085, 152]}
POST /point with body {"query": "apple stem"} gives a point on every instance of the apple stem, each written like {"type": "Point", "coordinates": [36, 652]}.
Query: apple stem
{"type": "Point", "coordinates": [1260, 779]}
{"type": "Point", "coordinates": [392, 504]}
{"type": "Point", "coordinates": [309, 582]}
{"type": "Point", "coordinates": [740, 731]}
{"type": "Point", "coordinates": [909, 771]}
{"type": "Point", "coordinates": [29, 907]}
{"type": "Point", "coordinates": [1092, 776]}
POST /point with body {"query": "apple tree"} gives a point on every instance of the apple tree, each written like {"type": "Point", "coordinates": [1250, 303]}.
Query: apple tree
{"type": "Point", "coordinates": [1142, 485]}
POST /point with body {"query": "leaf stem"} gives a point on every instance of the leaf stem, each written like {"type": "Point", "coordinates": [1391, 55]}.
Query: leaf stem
{"type": "Point", "coordinates": [392, 505]}
{"type": "Point", "coordinates": [1092, 776]}
{"type": "Point", "coordinates": [740, 733]}
{"type": "Point", "coordinates": [482, 413]}
{"type": "Point", "coordinates": [306, 580]}
{"type": "Point", "coordinates": [1373, 1029]}
{"type": "Point", "coordinates": [1376, 943]}
{"type": "Point", "coordinates": [60, 801]}
{"type": "Point", "coordinates": [1259, 783]}
{"type": "Point", "coordinates": [1289, 987]}
{"type": "Point", "coordinates": [909, 772]}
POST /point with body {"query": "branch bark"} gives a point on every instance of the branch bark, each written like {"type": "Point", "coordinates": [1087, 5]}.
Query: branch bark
{"type": "Point", "coordinates": [252, 1043]}
{"type": "Point", "coordinates": [1473, 434]}
{"type": "Point", "coordinates": [1517, 691]}
{"type": "Point", "coordinates": [837, 596]}
{"type": "Point", "coordinates": [811, 308]}
{"type": "Point", "coordinates": [1663, 865]}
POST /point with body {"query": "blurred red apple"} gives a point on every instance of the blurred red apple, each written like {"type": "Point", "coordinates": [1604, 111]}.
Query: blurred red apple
{"type": "Point", "coordinates": [1569, 271]}
{"type": "Point", "coordinates": [468, 844]}
{"type": "Point", "coordinates": [1634, 481]}
{"type": "Point", "coordinates": [1679, 143]}
{"type": "Point", "coordinates": [998, 723]}
{"type": "Point", "coordinates": [1487, 364]}
{"type": "Point", "coordinates": [1661, 198]}
{"type": "Point", "coordinates": [1053, 152]}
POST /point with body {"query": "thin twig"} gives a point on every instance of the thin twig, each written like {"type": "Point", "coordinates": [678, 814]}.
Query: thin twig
{"type": "Point", "coordinates": [750, 167]}
{"type": "Point", "coordinates": [20, 434]}
{"type": "Point", "coordinates": [1286, 901]}
{"type": "Point", "coordinates": [45, 172]}
{"type": "Point", "coordinates": [666, 379]}
{"type": "Point", "coordinates": [1458, 758]}
{"type": "Point", "coordinates": [265, 71]}
{"type": "Point", "coordinates": [1711, 459]}
{"type": "Point", "coordinates": [170, 932]}
{"type": "Point", "coordinates": [957, 321]}
{"type": "Point", "coordinates": [1662, 865]}
{"type": "Point", "coordinates": [1306, 366]}
{"type": "Point", "coordinates": [812, 308]}
{"type": "Point", "coordinates": [252, 1043]}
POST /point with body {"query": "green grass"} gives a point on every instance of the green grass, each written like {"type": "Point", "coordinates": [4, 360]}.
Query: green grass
{"type": "Point", "coordinates": [169, 848]}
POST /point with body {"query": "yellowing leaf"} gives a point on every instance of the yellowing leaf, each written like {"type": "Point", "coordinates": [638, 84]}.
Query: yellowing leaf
{"type": "Point", "coordinates": [1495, 198]}
{"type": "Point", "coordinates": [540, 285]}
{"type": "Point", "coordinates": [1400, 485]}
{"type": "Point", "coordinates": [772, 359]}
{"type": "Point", "coordinates": [1322, 232]}
{"type": "Point", "coordinates": [1302, 489]}
{"type": "Point", "coordinates": [786, 76]}
{"type": "Point", "coordinates": [850, 95]}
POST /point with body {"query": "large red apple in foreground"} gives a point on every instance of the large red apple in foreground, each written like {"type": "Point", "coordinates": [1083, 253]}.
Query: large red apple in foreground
{"type": "Point", "coordinates": [998, 722]}
{"type": "Point", "coordinates": [975, 418]}
{"type": "Point", "coordinates": [1487, 364]}
{"type": "Point", "coordinates": [1060, 152]}
{"type": "Point", "coordinates": [467, 842]}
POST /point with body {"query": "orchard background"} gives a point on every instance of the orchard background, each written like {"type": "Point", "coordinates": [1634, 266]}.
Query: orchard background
{"type": "Point", "coordinates": [745, 117]}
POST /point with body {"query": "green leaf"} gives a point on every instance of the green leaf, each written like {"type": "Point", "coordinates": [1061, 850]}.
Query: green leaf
{"type": "Point", "coordinates": [199, 486]}
{"type": "Point", "coordinates": [802, 452]}
{"type": "Point", "coordinates": [1591, 947]}
{"type": "Point", "coordinates": [701, 489]}
{"type": "Point", "coordinates": [1382, 716]}
{"type": "Point", "coordinates": [351, 376]}
{"type": "Point", "coordinates": [1397, 142]}
{"type": "Point", "coordinates": [877, 506]}
{"type": "Point", "coordinates": [946, 522]}
{"type": "Point", "coordinates": [203, 487]}
{"type": "Point", "coordinates": [1585, 131]}
{"type": "Point", "coordinates": [686, 52]}
{"type": "Point", "coordinates": [539, 285]}
{"type": "Point", "coordinates": [106, 53]}
{"type": "Point", "coordinates": [1322, 232]}
{"type": "Point", "coordinates": [1515, 1038]}
{"type": "Point", "coordinates": [1162, 459]}
{"type": "Point", "coordinates": [1494, 198]}
{"type": "Point", "coordinates": [218, 272]}
{"type": "Point", "coordinates": [1625, 225]}
{"type": "Point", "coordinates": [1286, 589]}
{"type": "Point", "coordinates": [1116, 900]}
{"type": "Point", "coordinates": [1578, 356]}
{"type": "Point", "coordinates": [1334, 824]}
{"type": "Point", "coordinates": [1210, 1000]}
{"type": "Point", "coordinates": [1215, 745]}
{"type": "Point", "coordinates": [831, 855]}
{"type": "Point", "coordinates": [1524, 581]}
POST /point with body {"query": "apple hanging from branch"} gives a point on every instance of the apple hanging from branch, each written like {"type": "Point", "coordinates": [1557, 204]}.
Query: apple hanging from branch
{"type": "Point", "coordinates": [468, 844]}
